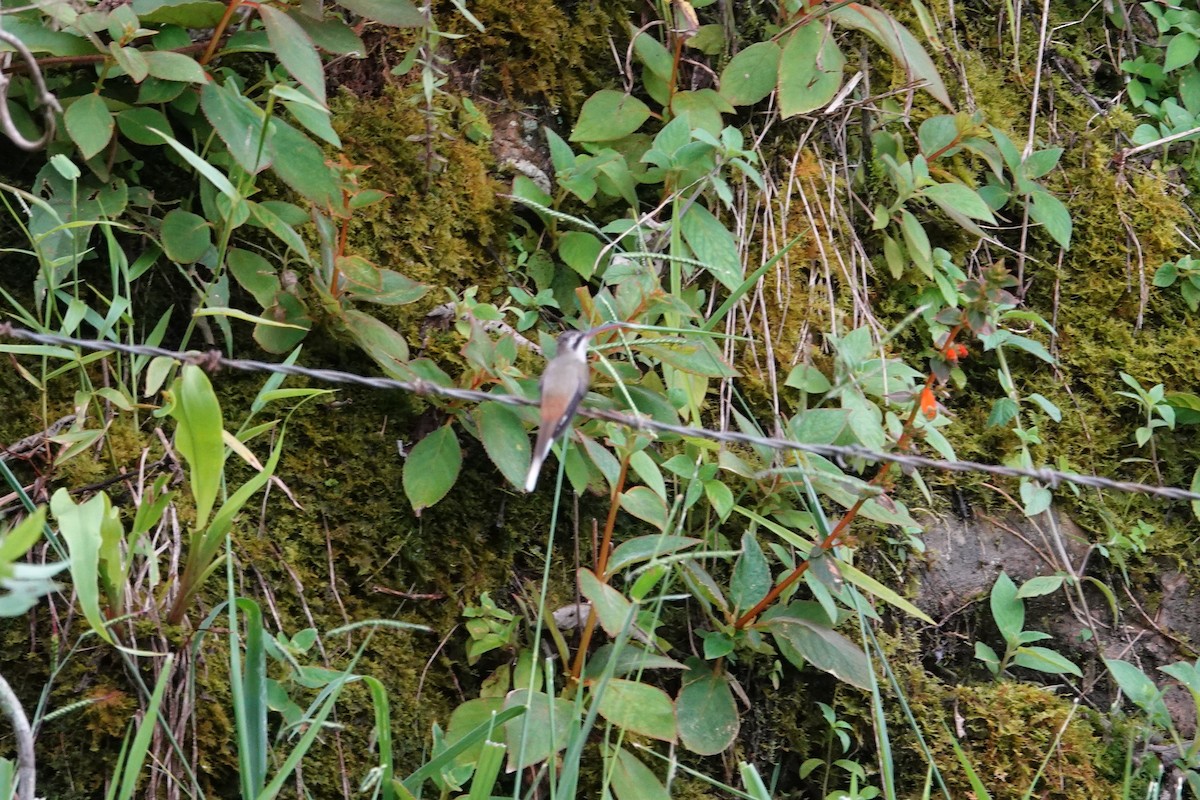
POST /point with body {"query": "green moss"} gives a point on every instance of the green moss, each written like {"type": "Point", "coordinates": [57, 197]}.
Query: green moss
{"type": "Point", "coordinates": [538, 51]}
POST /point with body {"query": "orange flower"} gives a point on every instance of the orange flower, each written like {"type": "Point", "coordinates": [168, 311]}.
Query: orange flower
{"type": "Point", "coordinates": [928, 403]}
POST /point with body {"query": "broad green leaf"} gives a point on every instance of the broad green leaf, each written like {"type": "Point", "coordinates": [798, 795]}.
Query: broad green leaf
{"type": "Point", "coordinates": [186, 237]}
{"type": "Point", "coordinates": [1007, 609]}
{"type": "Point", "coordinates": [301, 164]}
{"type": "Point", "coordinates": [504, 439]}
{"type": "Point", "coordinates": [819, 425]}
{"type": "Point", "coordinates": [936, 134]}
{"type": "Point", "coordinates": [609, 115]}
{"type": "Point", "coordinates": [633, 780]}
{"type": "Point", "coordinates": [581, 251]}
{"type": "Point", "coordinates": [752, 74]}
{"type": "Point", "coordinates": [630, 659]}
{"type": "Point", "coordinates": [17, 540]}
{"type": "Point", "coordinates": [751, 575]}
{"type": "Point", "coordinates": [1043, 659]}
{"type": "Point", "coordinates": [89, 124]}
{"type": "Point", "coordinates": [1049, 211]}
{"type": "Point", "coordinates": [131, 60]}
{"type": "Point", "coordinates": [644, 504]}
{"type": "Point", "coordinates": [897, 40]}
{"type": "Point", "coordinates": [545, 728]}
{"type": "Point", "coordinates": [653, 54]}
{"type": "Point", "coordinates": [810, 70]}
{"type": "Point", "coordinates": [959, 198]}
{"type": "Point", "coordinates": [184, 13]}
{"type": "Point", "coordinates": [916, 241]}
{"type": "Point", "coordinates": [639, 708]}
{"type": "Point", "coordinates": [468, 716]}
{"type": "Point", "coordinates": [1181, 51]}
{"type": "Point", "coordinates": [821, 646]}
{"type": "Point", "coordinates": [240, 123]}
{"type": "Point", "coordinates": [199, 437]}
{"type": "Point", "coordinates": [611, 607]}
{"type": "Point", "coordinates": [644, 548]}
{"type": "Point", "coordinates": [706, 712]}
{"type": "Point", "coordinates": [1041, 585]}
{"type": "Point", "coordinates": [397, 13]}
{"type": "Point", "coordinates": [80, 526]}
{"type": "Point", "coordinates": [1140, 689]}
{"type": "Point", "coordinates": [713, 244]}
{"type": "Point", "coordinates": [703, 109]}
{"type": "Point", "coordinates": [176, 67]}
{"type": "Point", "coordinates": [254, 273]}
{"type": "Point", "coordinates": [294, 49]}
{"type": "Point", "coordinates": [135, 124]}
{"type": "Point", "coordinates": [385, 345]}
{"type": "Point", "coordinates": [432, 468]}
{"type": "Point", "coordinates": [331, 34]}
{"type": "Point", "coordinates": [808, 378]}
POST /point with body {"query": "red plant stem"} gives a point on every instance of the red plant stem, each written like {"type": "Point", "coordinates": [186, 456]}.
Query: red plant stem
{"type": "Point", "coordinates": [218, 31]}
{"type": "Point", "coordinates": [881, 479]}
{"type": "Point", "coordinates": [601, 568]}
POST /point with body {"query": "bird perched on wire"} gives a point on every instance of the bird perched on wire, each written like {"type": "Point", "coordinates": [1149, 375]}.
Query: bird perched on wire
{"type": "Point", "coordinates": [563, 386]}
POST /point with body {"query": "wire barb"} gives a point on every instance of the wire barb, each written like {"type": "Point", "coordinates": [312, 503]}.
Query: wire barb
{"type": "Point", "coordinates": [213, 360]}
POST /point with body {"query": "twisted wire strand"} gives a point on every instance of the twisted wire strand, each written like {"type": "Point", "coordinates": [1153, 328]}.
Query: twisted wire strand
{"type": "Point", "coordinates": [212, 360]}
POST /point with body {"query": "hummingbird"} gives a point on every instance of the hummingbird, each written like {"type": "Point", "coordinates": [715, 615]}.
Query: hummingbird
{"type": "Point", "coordinates": [563, 386]}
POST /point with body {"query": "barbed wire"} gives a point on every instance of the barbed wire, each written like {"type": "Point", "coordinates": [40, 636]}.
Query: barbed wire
{"type": "Point", "coordinates": [211, 360]}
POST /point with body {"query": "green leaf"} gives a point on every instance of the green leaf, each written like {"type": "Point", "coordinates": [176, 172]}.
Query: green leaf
{"type": "Point", "coordinates": [752, 74]}
{"type": "Point", "coordinates": [639, 708]}
{"type": "Point", "coordinates": [653, 54]}
{"type": "Point", "coordinates": [1004, 409]}
{"type": "Point", "coordinates": [819, 425]}
{"type": "Point", "coordinates": [544, 730]}
{"type": "Point", "coordinates": [611, 607]}
{"type": "Point", "coordinates": [958, 198]}
{"type": "Point", "coordinates": [199, 437]}
{"type": "Point", "coordinates": [1040, 163]}
{"type": "Point", "coordinates": [1140, 689]}
{"type": "Point", "coordinates": [713, 244]}
{"type": "Point", "coordinates": [821, 646]}
{"type": "Point", "coordinates": [504, 439]}
{"type": "Point", "coordinates": [294, 49]}
{"type": "Point", "coordinates": [706, 712]}
{"type": "Point", "coordinates": [176, 67]}
{"type": "Point", "coordinates": [644, 548]}
{"type": "Point", "coordinates": [751, 575]}
{"type": "Point", "coordinates": [210, 172]}
{"type": "Point", "coordinates": [331, 34]}
{"type": "Point", "coordinates": [1041, 585]}
{"type": "Point", "coordinates": [808, 378]}
{"type": "Point", "coordinates": [135, 124]}
{"type": "Point", "coordinates": [432, 468]}
{"type": "Point", "coordinates": [240, 123]}
{"type": "Point", "coordinates": [810, 70]}
{"type": "Point", "coordinates": [79, 525]}
{"type": "Point", "coordinates": [936, 134]}
{"type": "Point", "coordinates": [897, 40]}
{"type": "Point", "coordinates": [1181, 51]}
{"type": "Point", "coordinates": [916, 241]}
{"type": "Point", "coordinates": [392, 289]}
{"type": "Point", "coordinates": [89, 124]}
{"type": "Point", "coordinates": [1043, 659]}
{"type": "Point", "coordinates": [609, 115]}
{"type": "Point", "coordinates": [644, 504]}
{"type": "Point", "coordinates": [184, 13]}
{"type": "Point", "coordinates": [132, 61]}
{"type": "Point", "coordinates": [186, 237]}
{"type": "Point", "coordinates": [581, 251]}
{"type": "Point", "coordinates": [1195, 487]}
{"type": "Point", "coordinates": [301, 164]}
{"type": "Point", "coordinates": [254, 273]}
{"type": "Point", "coordinates": [633, 780]}
{"type": "Point", "coordinates": [398, 13]}
{"type": "Point", "coordinates": [1007, 609]}
{"type": "Point", "coordinates": [1049, 211]}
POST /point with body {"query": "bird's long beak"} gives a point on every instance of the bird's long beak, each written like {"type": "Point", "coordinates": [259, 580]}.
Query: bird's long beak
{"type": "Point", "coordinates": [608, 326]}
